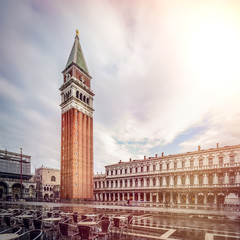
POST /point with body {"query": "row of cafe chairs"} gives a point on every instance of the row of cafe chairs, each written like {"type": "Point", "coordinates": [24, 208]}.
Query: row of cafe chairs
{"type": "Point", "coordinates": [103, 227]}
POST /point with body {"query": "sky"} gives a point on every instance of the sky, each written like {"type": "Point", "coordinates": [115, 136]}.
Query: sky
{"type": "Point", "coordinates": [166, 75]}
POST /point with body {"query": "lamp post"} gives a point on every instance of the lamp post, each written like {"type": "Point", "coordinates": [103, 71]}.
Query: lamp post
{"type": "Point", "coordinates": [21, 172]}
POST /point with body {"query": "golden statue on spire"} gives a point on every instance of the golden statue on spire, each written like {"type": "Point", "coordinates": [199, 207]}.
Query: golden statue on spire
{"type": "Point", "coordinates": [77, 32]}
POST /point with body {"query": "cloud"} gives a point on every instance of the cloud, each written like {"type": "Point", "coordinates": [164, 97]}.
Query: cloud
{"type": "Point", "coordinates": [159, 70]}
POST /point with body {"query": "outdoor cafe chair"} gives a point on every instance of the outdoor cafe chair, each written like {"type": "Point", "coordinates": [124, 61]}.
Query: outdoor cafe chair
{"type": "Point", "coordinates": [117, 225]}
{"type": "Point", "coordinates": [75, 218]}
{"type": "Point", "coordinates": [45, 227]}
{"type": "Point", "coordinates": [31, 235]}
{"type": "Point", "coordinates": [85, 233]}
{"type": "Point", "coordinates": [9, 221]}
{"type": "Point", "coordinates": [128, 224]}
{"type": "Point", "coordinates": [66, 232]}
{"type": "Point", "coordinates": [104, 228]}
{"type": "Point", "coordinates": [16, 230]}
{"type": "Point", "coordinates": [27, 224]}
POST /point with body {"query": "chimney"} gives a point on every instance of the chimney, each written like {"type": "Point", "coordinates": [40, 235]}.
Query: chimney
{"type": "Point", "coordinates": [144, 157]}
{"type": "Point", "coordinates": [199, 148]}
{"type": "Point", "coordinates": [156, 155]}
{"type": "Point", "coordinates": [120, 161]}
{"type": "Point", "coordinates": [162, 154]}
{"type": "Point", "coordinates": [130, 159]}
{"type": "Point", "coordinates": [217, 145]}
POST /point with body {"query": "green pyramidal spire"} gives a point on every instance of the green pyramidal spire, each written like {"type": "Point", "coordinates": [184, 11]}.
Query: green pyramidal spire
{"type": "Point", "coordinates": [76, 55]}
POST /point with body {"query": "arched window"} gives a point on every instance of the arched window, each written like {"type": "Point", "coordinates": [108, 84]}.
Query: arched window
{"type": "Point", "coordinates": [84, 98]}
{"type": "Point", "coordinates": [87, 100]}
{"type": "Point", "coordinates": [77, 94]}
{"type": "Point", "coordinates": [80, 96]}
{"type": "Point", "coordinates": [53, 178]}
{"type": "Point", "coordinates": [200, 162]}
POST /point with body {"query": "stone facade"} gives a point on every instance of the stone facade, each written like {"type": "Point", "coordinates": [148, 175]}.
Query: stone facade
{"type": "Point", "coordinates": [11, 186]}
{"type": "Point", "coordinates": [200, 177]}
{"type": "Point", "coordinates": [48, 183]}
{"type": "Point", "coordinates": [77, 128]}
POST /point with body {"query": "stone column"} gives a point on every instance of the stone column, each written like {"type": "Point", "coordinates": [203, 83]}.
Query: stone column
{"type": "Point", "coordinates": [179, 180]}
{"type": "Point", "coordinates": [133, 196]}
{"type": "Point", "coordinates": [215, 179]}
{"type": "Point", "coordinates": [196, 180]}
{"type": "Point", "coordinates": [215, 198]}
{"type": "Point", "coordinates": [106, 197]}
{"type": "Point", "coordinates": [139, 182]}
{"type": "Point", "coordinates": [164, 197]}
{"type": "Point", "coordinates": [114, 197]}
{"type": "Point", "coordinates": [139, 196]}
{"type": "Point", "coordinates": [179, 198]}
{"type": "Point", "coordinates": [151, 197]}
{"type": "Point", "coordinates": [128, 196]}
{"type": "Point", "coordinates": [205, 198]}
{"type": "Point", "coordinates": [144, 182]}
{"type": "Point", "coordinates": [145, 197]}
{"type": "Point", "coordinates": [157, 182]}
{"type": "Point", "coordinates": [187, 181]}
{"type": "Point", "coordinates": [187, 198]}
{"type": "Point", "coordinates": [196, 198]}
{"type": "Point", "coordinates": [157, 199]}
{"type": "Point", "coordinates": [205, 179]}
{"type": "Point", "coordinates": [226, 178]}
{"type": "Point", "coordinates": [151, 182]}
{"type": "Point", "coordinates": [118, 196]}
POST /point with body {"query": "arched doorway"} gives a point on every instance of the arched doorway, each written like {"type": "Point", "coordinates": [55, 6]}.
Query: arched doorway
{"type": "Point", "coordinates": [18, 191]}
{"type": "Point", "coordinates": [183, 198]}
{"type": "Point", "coordinates": [220, 198]}
{"type": "Point", "coordinates": [3, 190]}
{"type": "Point", "coordinates": [210, 198]}
{"type": "Point", "coordinates": [200, 198]}
{"type": "Point", "coordinates": [46, 196]}
{"type": "Point", "coordinates": [175, 197]}
{"type": "Point", "coordinates": [167, 197]}
{"type": "Point", "coordinates": [31, 191]}
{"type": "Point", "coordinates": [191, 198]}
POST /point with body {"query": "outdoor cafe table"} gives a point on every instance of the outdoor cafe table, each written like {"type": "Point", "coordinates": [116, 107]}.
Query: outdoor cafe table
{"type": "Point", "coordinates": [120, 217]}
{"type": "Point", "coordinates": [86, 223]}
{"type": "Point", "coordinates": [25, 216]}
{"type": "Point", "coordinates": [52, 219]}
{"type": "Point", "coordinates": [5, 214]}
{"type": "Point", "coordinates": [8, 236]}
{"type": "Point", "coordinates": [91, 215]}
{"type": "Point", "coordinates": [66, 214]}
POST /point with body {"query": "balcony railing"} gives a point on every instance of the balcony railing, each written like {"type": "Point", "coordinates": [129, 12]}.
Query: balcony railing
{"type": "Point", "coordinates": [224, 185]}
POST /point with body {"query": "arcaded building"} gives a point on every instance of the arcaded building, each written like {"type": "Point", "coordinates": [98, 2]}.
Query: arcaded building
{"type": "Point", "coordinates": [77, 128]}
{"type": "Point", "coordinates": [16, 180]}
{"type": "Point", "coordinates": [48, 183]}
{"type": "Point", "coordinates": [200, 177]}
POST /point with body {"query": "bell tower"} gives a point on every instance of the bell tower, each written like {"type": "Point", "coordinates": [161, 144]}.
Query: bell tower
{"type": "Point", "coordinates": [77, 128]}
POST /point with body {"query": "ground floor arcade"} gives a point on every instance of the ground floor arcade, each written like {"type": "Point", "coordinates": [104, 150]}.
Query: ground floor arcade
{"type": "Point", "coordinates": [170, 197]}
